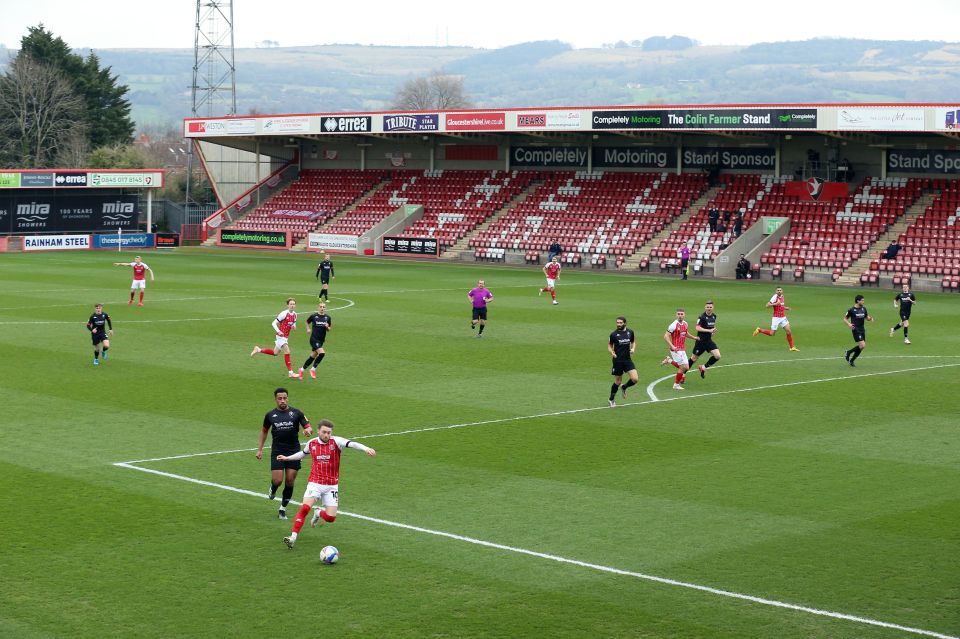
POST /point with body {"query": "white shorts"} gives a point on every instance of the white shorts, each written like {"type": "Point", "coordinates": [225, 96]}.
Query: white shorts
{"type": "Point", "coordinates": [551, 283]}
{"type": "Point", "coordinates": [326, 495]}
{"type": "Point", "coordinates": [279, 343]}
{"type": "Point", "coordinates": [138, 284]}
{"type": "Point", "coordinates": [680, 357]}
{"type": "Point", "coordinates": [779, 322]}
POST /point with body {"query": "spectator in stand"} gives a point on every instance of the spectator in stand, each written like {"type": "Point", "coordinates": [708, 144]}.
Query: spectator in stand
{"type": "Point", "coordinates": [743, 268]}
{"type": "Point", "coordinates": [738, 224]}
{"type": "Point", "coordinates": [890, 253]}
{"type": "Point", "coordinates": [726, 217]}
{"type": "Point", "coordinates": [712, 216]}
{"type": "Point", "coordinates": [684, 260]}
{"type": "Point", "coordinates": [554, 251]}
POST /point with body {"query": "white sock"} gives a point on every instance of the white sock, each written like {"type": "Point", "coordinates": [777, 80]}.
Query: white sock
{"type": "Point", "coordinates": [293, 536]}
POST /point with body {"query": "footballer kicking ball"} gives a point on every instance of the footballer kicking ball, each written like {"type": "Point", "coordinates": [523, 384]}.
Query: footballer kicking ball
{"type": "Point", "coordinates": [329, 555]}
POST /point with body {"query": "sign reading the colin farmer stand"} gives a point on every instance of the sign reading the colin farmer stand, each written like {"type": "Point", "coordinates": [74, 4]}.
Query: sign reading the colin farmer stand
{"type": "Point", "coordinates": [715, 119]}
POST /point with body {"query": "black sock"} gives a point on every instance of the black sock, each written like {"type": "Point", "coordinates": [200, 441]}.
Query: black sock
{"type": "Point", "coordinates": [856, 353]}
{"type": "Point", "coordinates": [107, 348]}
{"type": "Point", "coordinates": [710, 362]}
{"type": "Point", "coordinates": [850, 351]}
{"type": "Point", "coordinates": [481, 329]}
{"type": "Point", "coordinates": [326, 296]}
{"type": "Point", "coordinates": [613, 391]}
{"type": "Point", "coordinates": [96, 354]}
{"type": "Point", "coordinates": [898, 326]}
{"type": "Point", "coordinates": [287, 494]}
{"type": "Point", "coordinates": [319, 358]}
{"type": "Point", "coordinates": [906, 332]}
{"type": "Point", "coordinates": [629, 383]}
{"type": "Point", "coordinates": [307, 363]}
{"type": "Point", "coordinates": [273, 488]}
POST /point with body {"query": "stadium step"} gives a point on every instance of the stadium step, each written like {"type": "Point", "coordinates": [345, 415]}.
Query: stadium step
{"type": "Point", "coordinates": [633, 261]}
{"type": "Point", "coordinates": [463, 244]}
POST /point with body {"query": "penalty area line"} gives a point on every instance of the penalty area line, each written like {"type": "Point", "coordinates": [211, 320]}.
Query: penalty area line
{"type": "Point", "coordinates": [572, 562]}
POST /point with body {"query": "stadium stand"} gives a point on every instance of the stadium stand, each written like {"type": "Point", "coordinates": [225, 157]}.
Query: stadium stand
{"type": "Point", "coordinates": [454, 202]}
{"type": "Point", "coordinates": [930, 246]}
{"type": "Point", "coordinates": [593, 215]}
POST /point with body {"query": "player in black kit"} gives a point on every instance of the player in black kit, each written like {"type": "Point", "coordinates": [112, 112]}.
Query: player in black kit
{"type": "Point", "coordinates": [318, 324]}
{"type": "Point", "coordinates": [706, 327]}
{"type": "Point", "coordinates": [855, 318]}
{"type": "Point", "coordinates": [621, 346]}
{"type": "Point", "coordinates": [904, 301]}
{"type": "Point", "coordinates": [284, 421]}
{"type": "Point", "coordinates": [324, 273]}
{"type": "Point", "coordinates": [101, 328]}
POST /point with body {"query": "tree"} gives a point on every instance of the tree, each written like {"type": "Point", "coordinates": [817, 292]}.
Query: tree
{"type": "Point", "coordinates": [436, 92]}
{"type": "Point", "coordinates": [107, 111]}
{"type": "Point", "coordinates": [40, 114]}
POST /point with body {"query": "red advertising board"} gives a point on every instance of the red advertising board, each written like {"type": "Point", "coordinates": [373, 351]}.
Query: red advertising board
{"type": "Point", "coordinates": [816, 189]}
{"type": "Point", "coordinates": [471, 152]}
{"type": "Point", "coordinates": [476, 121]}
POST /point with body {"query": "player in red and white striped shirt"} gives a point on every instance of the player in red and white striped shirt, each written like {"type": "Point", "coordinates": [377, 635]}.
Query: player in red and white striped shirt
{"type": "Point", "coordinates": [283, 324]}
{"type": "Point", "coordinates": [552, 271]}
{"type": "Point", "coordinates": [676, 339]}
{"type": "Point", "coordinates": [139, 280]}
{"type": "Point", "coordinates": [323, 486]}
{"type": "Point", "coordinates": [779, 319]}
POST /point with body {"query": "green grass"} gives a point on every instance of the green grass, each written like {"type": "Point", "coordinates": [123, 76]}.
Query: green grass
{"type": "Point", "coordinates": [798, 480]}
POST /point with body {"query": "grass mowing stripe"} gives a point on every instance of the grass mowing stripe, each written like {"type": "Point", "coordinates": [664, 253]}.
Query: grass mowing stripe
{"type": "Point", "coordinates": [573, 562]}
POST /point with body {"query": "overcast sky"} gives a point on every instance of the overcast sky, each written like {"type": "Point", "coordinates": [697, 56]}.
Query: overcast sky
{"type": "Point", "coordinates": [99, 24]}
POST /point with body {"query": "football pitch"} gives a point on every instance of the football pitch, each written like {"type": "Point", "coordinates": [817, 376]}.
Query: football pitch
{"type": "Point", "coordinates": [785, 495]}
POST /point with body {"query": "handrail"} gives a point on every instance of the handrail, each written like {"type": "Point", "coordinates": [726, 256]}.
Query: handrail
{"type": "Point", "coordinates": [216, 218]}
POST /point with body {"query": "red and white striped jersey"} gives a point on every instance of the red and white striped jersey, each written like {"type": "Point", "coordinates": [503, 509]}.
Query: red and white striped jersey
{"type": "Point", "coordinates": [553, 270]}
{"type": "Point", "coordinates": [139, 270]}
{"type": "Point", "coordinates": [678, 335]}
{"type": "Point", "coordinates": [285, 323]}
{"type": "Point", "coordinates": [778, 304]}
{"type": "Point", "coordinates": [325, 468]}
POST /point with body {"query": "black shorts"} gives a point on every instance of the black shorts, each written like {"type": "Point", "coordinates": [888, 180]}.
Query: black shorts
{"type": "Point", "coordinates": [480, 313]}
{"type": "Point", "coordinates": [905, 314]}
{"type": "Point", "coordinates": [704, 346]}
{"type": "Point", "coordinates": [622, 366]}
{"type": "Point", "coordinates": [325, 280]}
{"type": "Point", "coordinates": [275, 464]}
{"type": "Point", "coordinates": [316, 344]}
{"type": "Point", "coordinates": [859, 335]}
{"type": "Point", "coordinates": [98, 337]}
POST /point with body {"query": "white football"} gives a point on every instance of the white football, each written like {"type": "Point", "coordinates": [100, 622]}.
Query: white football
{"type": "Point", "coordinates": [329, 554]}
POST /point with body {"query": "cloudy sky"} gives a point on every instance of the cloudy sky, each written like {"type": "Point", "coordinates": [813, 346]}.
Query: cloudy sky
{"type": "Point", "coordinates": [480, 23]}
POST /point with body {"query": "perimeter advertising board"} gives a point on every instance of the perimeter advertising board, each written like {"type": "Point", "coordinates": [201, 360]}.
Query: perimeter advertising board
{"type": "Point", "coordinates": [51, 213]}
{"type": "Point", "coordinates": [123, 240]}
{"type": "Point", "coordinates": [332, 242]}
{"type": "Point", "coordinates": [708, 119]}
{"type": "Point", "coordinates": [56, 242]}
{"type": "Point", "coordinates": [421, 246]}
{"type": "Point", "coordinates": [254, 239]}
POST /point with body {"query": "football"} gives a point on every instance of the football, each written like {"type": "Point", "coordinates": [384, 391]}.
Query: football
{"type": "Point", "coordinates": [329, 555]}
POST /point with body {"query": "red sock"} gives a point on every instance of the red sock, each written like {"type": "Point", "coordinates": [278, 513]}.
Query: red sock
{"type": "Point", "coordinates": [141, 297]}
{"type": "Point", "coordinates": [267, 351]}
{"type": "Point", "coordinates": [286, 360]}
{"type": "Point", "coordinates": [327, 518]}
{"type": "Point", "coordinates": [790, 340]}
{"type": "Point", "coordinates": [544, 289]}
{"type": "Point", "coordinates": [678, 378]}
{"type": "Point", "coordinates": [553, 294]}
{"type": "Point", "coordinates": [301, 517]}
{"type": "Point", "coordinates": [766, 332]}
{"type": "Point", "coordinates": [683, 378]}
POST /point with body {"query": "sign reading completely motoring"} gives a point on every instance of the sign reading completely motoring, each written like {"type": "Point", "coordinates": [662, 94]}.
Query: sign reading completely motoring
{"type": "Point", "coordinates": [654, 157]}
{"type": "Point", "coordinates": [923, 161]}
{"type": "Point", "coordinates": [346, 124]}
{"type": "Point", "coordinates": [475, 121]}
{"type": "Point", "coordinates": [731, 158]}
{"type": "Point", "coordinates": [56, 242]}
{"type": "Point", "coordinates": [123, 240]}
{"type": "Point", "coordinates": [548, 156]}
{"type": "Point", "coordinates": [266, 239]}
{"type": "Point", "coordinates": [410, 245]}
{"type": "Point", "coordinates": [718, 119]}
{"type": "Point", "coordinates": [415, 122]}
{"type": "Point", "coordinates": [336, 243]}
{"type": "Point", "coordinates": [68, 213]}
{"type": "Point", "coordinates": [880, 119]}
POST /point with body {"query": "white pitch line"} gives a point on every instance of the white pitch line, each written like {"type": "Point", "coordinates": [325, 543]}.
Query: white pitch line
{"type": "Point", "coordinates": [653, 396]}
{"type": "Point", "coordinates": [518, 418]}
{"type": "Point", "coordinates": [575, 562]}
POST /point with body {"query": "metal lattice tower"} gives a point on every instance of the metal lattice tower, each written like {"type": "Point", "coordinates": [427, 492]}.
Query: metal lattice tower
{"type": "Point", "coordinates": [214, 88]}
